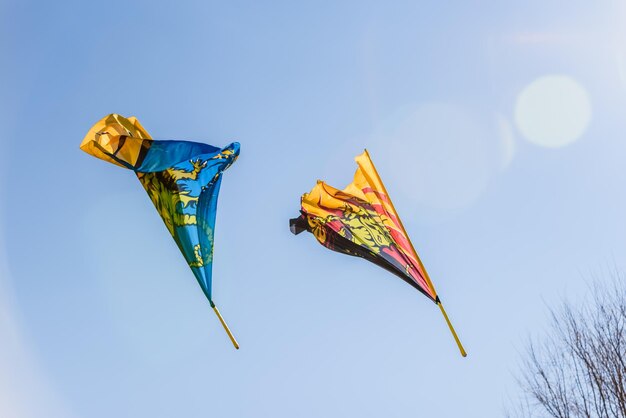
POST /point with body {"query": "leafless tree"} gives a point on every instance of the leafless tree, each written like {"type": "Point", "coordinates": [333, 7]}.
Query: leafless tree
{"type": "Point", "coordinates": [579, 369]}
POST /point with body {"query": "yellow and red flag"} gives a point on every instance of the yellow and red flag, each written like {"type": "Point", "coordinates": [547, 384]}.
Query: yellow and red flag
{"type": "Point", "coordinates": [361, 220]}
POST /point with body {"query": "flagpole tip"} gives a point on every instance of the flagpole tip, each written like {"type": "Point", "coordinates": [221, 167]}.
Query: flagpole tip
{"type": "Point", "coordinates": [230, 334]}
{"type": "Point", "coordinates": [456, 337]}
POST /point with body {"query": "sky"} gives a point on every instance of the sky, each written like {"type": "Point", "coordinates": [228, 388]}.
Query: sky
{"type": "Point", "coordinates": [498, 128]}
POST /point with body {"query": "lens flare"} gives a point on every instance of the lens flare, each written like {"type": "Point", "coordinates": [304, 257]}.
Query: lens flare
{"type": "Point", "coordinates": [553, 111]}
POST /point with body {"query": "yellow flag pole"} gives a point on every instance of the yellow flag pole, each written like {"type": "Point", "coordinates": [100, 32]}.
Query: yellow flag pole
{"type": "Point", "coordinates": [426, 276]}
{"type": "Point", "coordinates": [456, 337]}
{"type": "Point", "coordinates": [230, 334]}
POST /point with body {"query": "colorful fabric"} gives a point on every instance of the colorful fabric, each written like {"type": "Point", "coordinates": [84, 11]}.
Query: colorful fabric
{"type": "Point", "coordinates": [361, 221]}
{"type": "Point", "coordinates": [182, 179]}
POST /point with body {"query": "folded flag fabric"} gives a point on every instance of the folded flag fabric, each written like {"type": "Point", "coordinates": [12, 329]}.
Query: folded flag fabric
{"type": "Point", "coordinates": [361, 221]}
{"type": "Point", "coordinates": [182, 179]}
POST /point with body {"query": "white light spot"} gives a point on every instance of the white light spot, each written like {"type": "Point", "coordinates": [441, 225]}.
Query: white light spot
{"type": "Point", "coordinates": [507, 141]}
{"type": "Point", "coordinates": [436, 155]}
{"type": "Point", "coordinates": [553, 111]}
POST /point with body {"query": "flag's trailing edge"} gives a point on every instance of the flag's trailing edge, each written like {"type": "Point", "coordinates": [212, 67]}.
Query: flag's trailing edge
{"type": "Point", "coordinates": [182, 179]}
{"type": "Point", "coordinates": [362, 221]}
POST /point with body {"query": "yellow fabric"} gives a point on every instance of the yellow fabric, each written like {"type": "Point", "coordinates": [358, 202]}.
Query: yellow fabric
{"type": "Point", "coordinates": [116, 135]}
{"type": "Point", "coordinates": [322, 197]}
{"type": "Point", "coordinates": [366, 177]}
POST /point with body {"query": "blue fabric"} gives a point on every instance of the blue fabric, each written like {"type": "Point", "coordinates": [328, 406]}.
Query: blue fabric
{"type": "Point", "coordinates": [165, 154]}
{"type": "Point", "coordinates": [183, 181]}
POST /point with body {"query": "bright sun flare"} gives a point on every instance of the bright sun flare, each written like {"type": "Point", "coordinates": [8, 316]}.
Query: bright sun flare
{"type": "Point", "coordinates": [553, 111]}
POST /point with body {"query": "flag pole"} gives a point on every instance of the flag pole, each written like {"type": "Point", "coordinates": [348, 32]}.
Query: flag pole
{"type": "Point", "coordinates": [230, 334]}
{"type": "Point", "coordinates": [456, 337]}
{"type": "Point", "coordinates": [426, 276]}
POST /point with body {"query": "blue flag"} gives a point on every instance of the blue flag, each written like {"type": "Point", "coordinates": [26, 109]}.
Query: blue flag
{"type": "Point", "coordinates": [182, 179]}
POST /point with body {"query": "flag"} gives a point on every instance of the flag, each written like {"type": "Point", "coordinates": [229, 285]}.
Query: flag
{"type": "Point", "coordinates": [361, 221]}
{"type": "Point", "coordinates": [182, 179]}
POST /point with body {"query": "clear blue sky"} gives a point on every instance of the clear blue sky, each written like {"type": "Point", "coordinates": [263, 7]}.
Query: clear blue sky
{"type": "Point", "coordinates": [458, 104]}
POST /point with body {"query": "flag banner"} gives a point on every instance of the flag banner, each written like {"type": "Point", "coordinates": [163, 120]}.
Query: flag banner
{"type": "Point", "coordinates": [361, 221]}
{"type": "Point", "coordinates": [182, 179]}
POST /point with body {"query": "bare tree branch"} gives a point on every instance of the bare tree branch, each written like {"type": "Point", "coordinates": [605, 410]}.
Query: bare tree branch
{"type": "Point", "coordinates": [578, 370]}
